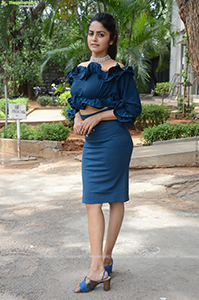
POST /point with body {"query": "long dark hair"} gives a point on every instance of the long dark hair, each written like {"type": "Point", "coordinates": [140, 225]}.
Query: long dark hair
{"type": "Point", "coordinates": [108, 22]}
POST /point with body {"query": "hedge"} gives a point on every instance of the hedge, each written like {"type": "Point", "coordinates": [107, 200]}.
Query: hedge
{"type": "Point", "coordinates": [152, 114]}
{"type": "Point", "coordinates": [168, 131]}
{"type": "Point", "coordinates": [45, 131]}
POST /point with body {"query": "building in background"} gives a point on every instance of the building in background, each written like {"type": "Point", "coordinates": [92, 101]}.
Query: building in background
{"type": "Point", "coordinates": [177, 57]}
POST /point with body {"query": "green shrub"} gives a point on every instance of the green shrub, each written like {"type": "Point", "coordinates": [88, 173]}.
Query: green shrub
{"type": "Point", "coordinates": [45, 131]}
{"type": "Point", "coordinates": [2, 115]}
{"type": "Point", "coordinates": [169, 131]}
{"type": "Point", "coordinates": [45, 100]}
{"type": "Point", "coordinates": [188, 108]}
{"type": "Point", "coordinates": [64, 113]}
{"type": "Point", "coordinates": [152, 114]}
{"type": "Point", "coordinates": [15, 101]}
{"type": "Point", "coordinates": [163, 89]}
{"type": "Point", "coordinates": [63, 98]}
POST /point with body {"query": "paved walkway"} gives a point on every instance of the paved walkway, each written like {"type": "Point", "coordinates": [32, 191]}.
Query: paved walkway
{"type": "Point", "coordinates": [44, 242]}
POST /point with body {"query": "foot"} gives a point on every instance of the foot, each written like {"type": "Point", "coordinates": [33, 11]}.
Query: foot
{"type": "Point", "coordinates": [95, 276]}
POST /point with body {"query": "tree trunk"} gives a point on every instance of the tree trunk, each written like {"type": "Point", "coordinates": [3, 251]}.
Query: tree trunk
{"type": "Point", "coordinates": [39, 8]}
{"type": "Point", "coordinates": [98, 7]}
{"type": "Point", "coordinates": [80, 25]}
{"type": "Point", "coordinates": [30, 91]}
{"type": "Point", "coordinates": [23, 90]}
{"type": "Point", "coordinates": [189, 13]}
{"type": "Point", "coordinates": [105, 5]}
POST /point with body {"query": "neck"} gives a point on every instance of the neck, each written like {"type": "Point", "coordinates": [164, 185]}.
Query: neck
{"type": "Point", "coordinates": [100, 59]}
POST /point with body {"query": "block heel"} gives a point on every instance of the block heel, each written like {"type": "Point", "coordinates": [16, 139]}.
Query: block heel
{"type": "Point", "coordinates": [107, 285]}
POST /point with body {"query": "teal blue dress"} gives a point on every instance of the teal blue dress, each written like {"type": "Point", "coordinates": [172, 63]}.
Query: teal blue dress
{"type": "Point", "coordinates": [108, 148]}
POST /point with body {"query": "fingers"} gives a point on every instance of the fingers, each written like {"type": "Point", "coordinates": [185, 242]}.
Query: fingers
{"type": "Point", "coordinates": [77, 127]}
{"type": "Point", "coordinates": [85, 127]}
{"type": "Point", "coordinates": [78, 131]}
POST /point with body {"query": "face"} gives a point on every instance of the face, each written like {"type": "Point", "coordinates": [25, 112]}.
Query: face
{"type": "Point", "coordinates": [98, 39]}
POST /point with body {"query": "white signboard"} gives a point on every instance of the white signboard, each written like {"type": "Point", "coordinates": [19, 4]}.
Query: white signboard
{"type": "Point", "coordinates": [17, 111]}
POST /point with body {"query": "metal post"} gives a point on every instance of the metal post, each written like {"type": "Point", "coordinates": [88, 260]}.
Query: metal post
{"type": "Point", "coordinates": [18, 139]}
{"type": "Point", "coordinates": [5, 81]}
{"type": "Point", "coordinates": [6, 107]}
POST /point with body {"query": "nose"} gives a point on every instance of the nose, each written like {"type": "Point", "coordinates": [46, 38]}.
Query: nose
{"type": "Point", "coordinates": [95, 37]}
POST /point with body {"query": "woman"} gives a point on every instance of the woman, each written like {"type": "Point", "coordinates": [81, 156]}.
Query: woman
{"type": "Point", "coordinates": [104, 102]}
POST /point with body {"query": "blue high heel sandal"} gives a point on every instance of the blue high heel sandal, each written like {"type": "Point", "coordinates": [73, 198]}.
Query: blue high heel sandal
{"type": "Point", "coordinates": [88, 285]}
{"type": "Point", "coordinates": [108, 269]}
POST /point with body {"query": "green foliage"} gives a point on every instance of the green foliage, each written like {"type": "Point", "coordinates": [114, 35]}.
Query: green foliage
{"type": "Point", "coordinates": [163, 89]}
{"type": "Point", "coordinates": [152, 114]}
{"type": "Point", "coordinates": [14, 101]}
{"type": "Point", "coordinates": [44, 100]}
{"type": "Point", "coordinates": [64, 113]}
{"type": "Point", "coordinates": [2, 115]}
{"type": "Point", "coordinates": [25, 36]}
{"type": "Point", "coordinates": [169, 131]}
{"type": "Point", "coordinates": [27, 40]}
{"type": "Point", "coordinates": [144, 32]}
{"type": "Point", "coordinates": [186, 108]}
{"type": "Point", "coordinates": [64, 97]}
{"type": "Point", "coordinates": [45, 131]}
{"type": "Point", "coordinates": [23, 42]}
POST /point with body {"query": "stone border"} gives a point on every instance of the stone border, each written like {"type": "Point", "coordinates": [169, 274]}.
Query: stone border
{"type": "Point", "coordinates": [44, 149]}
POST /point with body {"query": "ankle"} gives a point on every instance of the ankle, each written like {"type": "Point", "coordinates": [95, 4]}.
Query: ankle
{"type": "Point", "coordinates": [97, 265]}
{"type": "Point", "coordinates": [107, 259]}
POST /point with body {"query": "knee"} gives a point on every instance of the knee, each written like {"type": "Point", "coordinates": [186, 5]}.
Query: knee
{"type": "Point", "coordinates": [93, 207]}
{"type": "Point", "coordinates": [117, 205]}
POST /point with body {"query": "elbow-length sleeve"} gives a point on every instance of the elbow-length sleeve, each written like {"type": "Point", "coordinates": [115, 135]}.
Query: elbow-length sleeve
{"type": "Point", "coordinates": [128, 108]}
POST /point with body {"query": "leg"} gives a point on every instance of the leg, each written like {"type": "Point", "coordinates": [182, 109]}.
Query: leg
{"type": "Point", "coordinates": [96, 226]}
{"type": "Point", "coordinates": [115, 222]}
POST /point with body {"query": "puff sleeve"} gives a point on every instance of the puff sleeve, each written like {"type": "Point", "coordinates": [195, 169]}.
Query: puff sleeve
{"type": "Point", "coordinates": [128, 108]}
{"type": "Point", "coordinates": [71, 112]}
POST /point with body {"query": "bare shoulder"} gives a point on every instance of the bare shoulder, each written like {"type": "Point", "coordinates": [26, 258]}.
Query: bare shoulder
{"type": "Point", "coordinates": [114, 63]}
{"type": "Point", "coordinates": [111, 64]}
{"type": "Point", "coordinates": [84, 64]}
{"type": "Point", "coordinates": [121, 65]}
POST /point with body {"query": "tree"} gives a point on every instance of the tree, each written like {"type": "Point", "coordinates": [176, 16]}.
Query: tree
{"type": "Point", "coordinates": [56, 30]}
{"type": "Point", "coordinates": [189, 13]}
{"type": "Point", "coordinates": [163, 88]}
{"type": "Point", "coordinates": [143, 32]}
{"type": "Point", "coordinates": [23, 42]}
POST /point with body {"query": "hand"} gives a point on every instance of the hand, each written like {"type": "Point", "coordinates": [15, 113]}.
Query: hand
{"type": "Point", "coordinates": [88, 124]}
{"type": "Point", "coordinates": [77, 124]}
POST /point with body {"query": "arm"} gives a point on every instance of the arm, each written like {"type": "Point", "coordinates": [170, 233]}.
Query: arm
{"type": "Point", "coordinates": [87, 125]}
{"type": "Point", "coordinates": [128, 108]}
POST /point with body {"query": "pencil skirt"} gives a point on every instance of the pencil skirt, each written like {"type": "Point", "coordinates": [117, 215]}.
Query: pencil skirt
{"type": "Point", "coordinates": [105, 163]}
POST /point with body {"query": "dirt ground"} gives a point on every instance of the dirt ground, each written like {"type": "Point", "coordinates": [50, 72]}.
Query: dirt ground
{"type": "Point", "coordinates": [44, 241]}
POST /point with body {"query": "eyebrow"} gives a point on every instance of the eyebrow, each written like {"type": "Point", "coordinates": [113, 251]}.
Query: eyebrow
{"type": "Point", "coordinates": [98, 31]}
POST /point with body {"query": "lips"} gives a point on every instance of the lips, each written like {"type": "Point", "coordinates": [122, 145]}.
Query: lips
{"type": "Point", "coordinates": [94, 45]}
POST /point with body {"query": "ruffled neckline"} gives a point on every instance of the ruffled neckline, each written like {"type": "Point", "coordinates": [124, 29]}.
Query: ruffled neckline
{"type": "Point", "coordinates": [83, 72]}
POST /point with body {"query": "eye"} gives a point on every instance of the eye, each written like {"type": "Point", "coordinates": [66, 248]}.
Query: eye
{"type": "Point", "coordinates": [90, 33]}
{"type": "Point", "coordinates": [101, 34]}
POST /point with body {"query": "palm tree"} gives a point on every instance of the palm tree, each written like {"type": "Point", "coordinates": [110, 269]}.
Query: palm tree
{"type": "Point", "coordinates": [143, 32]}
